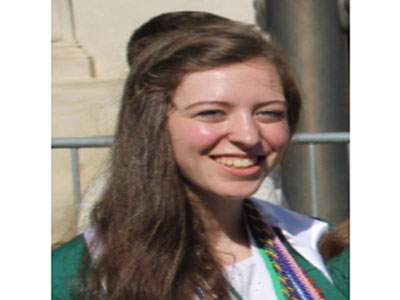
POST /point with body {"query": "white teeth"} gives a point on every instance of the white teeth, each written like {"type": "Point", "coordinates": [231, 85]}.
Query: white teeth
{"type": "Point", "coordinates": [237, 162]}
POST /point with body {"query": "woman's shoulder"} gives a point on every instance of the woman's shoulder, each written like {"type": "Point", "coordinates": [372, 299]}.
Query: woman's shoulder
{"type": "Point", "coordinates": [340, 262]}
{"type": "Point", "coordinates": [69, 253]}
{"type": "Point", "coordinates": [339, 268]}
{"type": "Point", "coordinates": [66, 267]}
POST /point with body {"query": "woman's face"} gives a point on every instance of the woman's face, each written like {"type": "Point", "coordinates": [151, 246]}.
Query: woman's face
{"type": "Point", "coordinates": [228, 128]}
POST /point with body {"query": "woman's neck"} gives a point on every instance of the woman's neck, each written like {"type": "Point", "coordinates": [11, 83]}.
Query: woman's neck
{"type": "Point", "coordinates": [223, 219]}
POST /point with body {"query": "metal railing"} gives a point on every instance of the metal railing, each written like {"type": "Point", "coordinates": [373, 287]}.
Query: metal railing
{"type": "Point", "coordinates": [311, 139]}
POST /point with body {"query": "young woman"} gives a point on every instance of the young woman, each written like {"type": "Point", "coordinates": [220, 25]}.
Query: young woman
{"type": "Point", "coordinates": [207, 112]}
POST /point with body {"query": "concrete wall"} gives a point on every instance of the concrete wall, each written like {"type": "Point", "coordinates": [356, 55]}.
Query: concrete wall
{"type": "Point", "coordinates": [88, 69]}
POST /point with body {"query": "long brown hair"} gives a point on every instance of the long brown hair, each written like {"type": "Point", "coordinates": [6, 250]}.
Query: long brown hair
{"type": "Point", "coordinates": [152, 237]}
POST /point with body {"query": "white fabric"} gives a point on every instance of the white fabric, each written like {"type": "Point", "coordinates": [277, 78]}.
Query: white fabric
{"type": "Point", "coordinates": [250, 277]}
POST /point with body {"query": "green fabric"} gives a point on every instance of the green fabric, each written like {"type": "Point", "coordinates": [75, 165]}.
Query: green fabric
{"type": "Point", "coordinates": [339, 268]}
{"type": "Point", "coordinates": [65, 269]}
{"type": "Point", "coordinates": [329, 290]}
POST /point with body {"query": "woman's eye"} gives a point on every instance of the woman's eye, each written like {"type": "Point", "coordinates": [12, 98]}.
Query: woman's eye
{"type": "Point", "coordinates": [272, 115]}
{"type": "Point", "coordinates": [211, 115]}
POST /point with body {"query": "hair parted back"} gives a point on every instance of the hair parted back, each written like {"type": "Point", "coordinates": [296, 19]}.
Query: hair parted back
{"type": "Point", "coordinates": [153, 241]}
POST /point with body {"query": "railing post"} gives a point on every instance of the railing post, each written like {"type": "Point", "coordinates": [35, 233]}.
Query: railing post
{"type": "Point", "coordinates": [313, 180]}
{"type": "Point", "coordinates": [76, 177]}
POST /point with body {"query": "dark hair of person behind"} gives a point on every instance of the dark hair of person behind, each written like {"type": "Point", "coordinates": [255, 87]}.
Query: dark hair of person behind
{"type": "Point", "coordinates": [153, 241]}
{"type": "Point", "coordinates": [336, 241]}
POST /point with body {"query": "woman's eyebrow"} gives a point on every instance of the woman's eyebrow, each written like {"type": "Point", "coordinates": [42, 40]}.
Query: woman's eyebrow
{"type": "Point", "coordinates": [270, 102]}
{"type": "Point", "coordinates": [227, 104]}
{"type": "Point", "coordinates": [207, 102]}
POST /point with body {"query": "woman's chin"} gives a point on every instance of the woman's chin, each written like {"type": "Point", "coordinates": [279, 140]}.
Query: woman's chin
{"type": "Point", "coordinates": [238, 194]}
{"type": "Point", "coordinates": [229, 191]}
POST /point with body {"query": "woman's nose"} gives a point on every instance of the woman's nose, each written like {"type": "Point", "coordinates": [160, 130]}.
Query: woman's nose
{"type": "Point", "coordinates": [244, 131]}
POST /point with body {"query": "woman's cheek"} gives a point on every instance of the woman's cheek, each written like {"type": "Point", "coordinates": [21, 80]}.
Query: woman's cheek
{"type": "Point", "coordinates": [277, 135]}
{"type": "Point", "coordinates": [205, 135]}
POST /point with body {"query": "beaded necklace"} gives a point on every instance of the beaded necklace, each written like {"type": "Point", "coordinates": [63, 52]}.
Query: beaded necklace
{"type": "Point", "coordinates": [294, 282]}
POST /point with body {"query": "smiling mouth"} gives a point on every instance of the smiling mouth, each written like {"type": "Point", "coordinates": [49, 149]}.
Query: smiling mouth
{"type": "Point", "coordinates": [237, 162]}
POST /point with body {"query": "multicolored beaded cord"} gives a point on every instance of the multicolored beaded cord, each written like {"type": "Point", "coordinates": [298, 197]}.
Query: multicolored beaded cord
{"type": "Point", "coordinates": [295, 283]}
